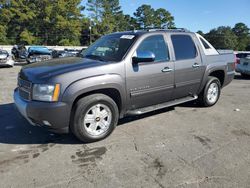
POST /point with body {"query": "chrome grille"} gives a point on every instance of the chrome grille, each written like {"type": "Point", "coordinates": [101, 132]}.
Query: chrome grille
{"type": "Point", "coordinates": [24, 89]}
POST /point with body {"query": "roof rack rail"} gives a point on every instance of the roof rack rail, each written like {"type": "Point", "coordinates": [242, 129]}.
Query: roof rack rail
{"type": "Point", "coordinates": [163, 29]}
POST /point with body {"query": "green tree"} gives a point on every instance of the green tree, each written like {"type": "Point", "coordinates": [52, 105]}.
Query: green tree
{"type": "Point", "coordinates": [3, 35]}
{"type": "Point", "coordinates": [110, 16]}
{"type": "Point", "coordinates": [105, 17]}
{"type": "Point", "coordinates": [145, 16]}
{"type": "Point", "coordinates": [126, 23]}
{"type": "Point", "coordinates": [95, 9]}
{"type": "Point", "coordinates": [242, 32]}
{"type": "Point", "coordinates": [201, 33]}
{"type": "Point", "coordinates": [248, 46]}
{"type": "Point", "coordinates": [222, 38]}
{"type": "Point", "coordinates": [27, 37]}
{"type": "Point", "coordinates": [67, 28]}
{"type": "Point", "coordinates": [163, 19]}
{"type": "Point", "coordinates": [18, 17]}
{"type": "Point", "coordinates": [41, 22]}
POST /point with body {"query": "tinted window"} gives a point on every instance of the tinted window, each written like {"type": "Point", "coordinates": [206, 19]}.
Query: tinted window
{"type": "Point", "coordinates": [184, 47]}
{"type": "Point", "coordinates": [205, 44]}
{"type": "Point", "coordinates": [39, 49]}
{"type": "Point", "coordinates": [242, 55]}
{"type": "Point", "coordinates": [157, 45]}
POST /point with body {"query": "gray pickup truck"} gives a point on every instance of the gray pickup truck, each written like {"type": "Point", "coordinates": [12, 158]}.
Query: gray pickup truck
{"type": "Point", "coordinates": [121, 74]}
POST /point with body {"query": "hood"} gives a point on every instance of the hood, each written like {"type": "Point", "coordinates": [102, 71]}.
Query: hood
{"type": "Point", "coordinates": [47, 69]}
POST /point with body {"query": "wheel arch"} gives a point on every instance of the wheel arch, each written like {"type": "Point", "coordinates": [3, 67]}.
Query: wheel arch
{"type": "Point", "coordinates": [220, 74]}
{"type": "Point", "coordinates": [113, 93]}
{"type": "Point", "coordinates": [215, 71]}
{"type": "Point", "coordinates": [110, 85]}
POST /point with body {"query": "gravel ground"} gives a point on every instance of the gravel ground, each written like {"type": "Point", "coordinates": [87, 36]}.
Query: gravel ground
{"type": "Point", "coordinates": [183, 147]}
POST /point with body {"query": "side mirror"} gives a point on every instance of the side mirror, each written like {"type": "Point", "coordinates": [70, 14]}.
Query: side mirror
{"type": "Point", "coordinates": [144, 56]}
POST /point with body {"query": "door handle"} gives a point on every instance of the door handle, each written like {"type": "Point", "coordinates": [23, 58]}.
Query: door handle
{"type": "Point", "coordinates": [166, 69]}
{"type": "Point", "coordinates": [196, 65]}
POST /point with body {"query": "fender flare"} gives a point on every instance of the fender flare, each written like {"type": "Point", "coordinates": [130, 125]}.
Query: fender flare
{"type": "Point", "coordinates": [91, 84]}
{"type": "Point", "coordinates": [209, 69]}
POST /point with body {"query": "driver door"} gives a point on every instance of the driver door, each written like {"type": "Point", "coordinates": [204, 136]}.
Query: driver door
{"type": "Point", "coordinates": [150, 83]}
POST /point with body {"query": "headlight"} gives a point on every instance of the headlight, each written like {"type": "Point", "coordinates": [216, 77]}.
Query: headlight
{"type": "Point", "coordinates": [45, 92]}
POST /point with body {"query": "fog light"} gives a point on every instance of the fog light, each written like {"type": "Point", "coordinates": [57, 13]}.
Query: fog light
{"type": "Point", "coordinates": [46, 123]}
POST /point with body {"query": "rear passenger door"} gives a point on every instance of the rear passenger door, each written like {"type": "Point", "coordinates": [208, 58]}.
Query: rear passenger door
{"type": "Point", "coordinates": [188, 66]}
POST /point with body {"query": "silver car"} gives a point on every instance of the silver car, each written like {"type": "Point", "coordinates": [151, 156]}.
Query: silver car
{"type": "Point", "coordinates": [5, 59]}
{"type": "Point", "coordinates": [243, 66]}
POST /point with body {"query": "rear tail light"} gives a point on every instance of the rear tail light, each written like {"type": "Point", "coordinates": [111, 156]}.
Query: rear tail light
{"type": "Point", "coordinates": [237, 61]}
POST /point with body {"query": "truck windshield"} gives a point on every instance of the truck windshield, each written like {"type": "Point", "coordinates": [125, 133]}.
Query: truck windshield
{"type": "Point", "coordinates": [109, 48]}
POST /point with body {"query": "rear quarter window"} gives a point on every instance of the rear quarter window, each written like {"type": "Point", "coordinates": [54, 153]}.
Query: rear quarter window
{"type": "Point", "coordinates": [204, 43]}
{"type": "Point", "coordinates": [184, 47]}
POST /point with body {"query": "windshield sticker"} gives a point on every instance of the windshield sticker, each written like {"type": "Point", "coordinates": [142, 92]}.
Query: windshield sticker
{"type": "Point", "coordinates": [127, 37]}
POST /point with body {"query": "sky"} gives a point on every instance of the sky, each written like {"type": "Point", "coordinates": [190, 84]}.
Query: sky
{"type": "Point", "coordinates": [198, 14]}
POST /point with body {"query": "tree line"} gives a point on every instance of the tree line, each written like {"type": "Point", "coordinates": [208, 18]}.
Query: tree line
{"type": "Point", "coordinates": [225, 37]}
{"type": "Point", "coordinates": [62, 22]}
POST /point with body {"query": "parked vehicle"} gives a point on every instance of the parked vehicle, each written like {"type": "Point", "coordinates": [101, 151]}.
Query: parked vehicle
{"type": "Point", "coordinates": [38, 54]}
{"type": "Point", "coordinates": [19, 53]}
{"type": "Point", "coordinates": [243, 64]}
{"type": "Point", "coordinates": [72, 52]}
{"type": "Point", "coordinates": [3, 56]}
{"type": "Point", "coordinates": [122, 74]}
{"type": "Point", "coordinates": [5, 59]}
{"type": "Point", "coordinates": [63, 53]}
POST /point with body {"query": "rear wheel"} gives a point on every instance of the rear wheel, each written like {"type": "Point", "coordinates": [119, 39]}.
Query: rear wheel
{"type": "Point", "coordinates": [211, 92]}
{"type": "Point", "coordinates": [95, 118]}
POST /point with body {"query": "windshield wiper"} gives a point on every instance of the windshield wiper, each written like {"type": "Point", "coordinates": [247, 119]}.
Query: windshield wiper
{"type": "Point", "coordinates": [95, 57]}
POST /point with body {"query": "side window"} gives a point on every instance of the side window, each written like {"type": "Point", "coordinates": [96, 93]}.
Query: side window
{"type": "Point", "coordinates": [157, 45]}
{"type": "Point", "coordinates": [205, 44]}
{"type": "Point", "coordinates": [184, 47]}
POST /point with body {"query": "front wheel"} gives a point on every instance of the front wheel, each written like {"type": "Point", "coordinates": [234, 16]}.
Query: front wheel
{"type": "Point", "coordinates": [211, 92]}
{"type": "Point", "coordinates": [95, 118]}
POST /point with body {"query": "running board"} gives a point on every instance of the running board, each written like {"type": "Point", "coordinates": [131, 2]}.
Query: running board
{"type": "Point", "coordinates": [160, 106]}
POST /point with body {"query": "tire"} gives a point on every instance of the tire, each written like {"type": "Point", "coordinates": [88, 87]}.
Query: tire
{"type": "Point", "coordinates": [206, 98]}
{"type": "Point", "coordinates": [245, 75]}
{"type": "Point", "coordinates": [95, 127]}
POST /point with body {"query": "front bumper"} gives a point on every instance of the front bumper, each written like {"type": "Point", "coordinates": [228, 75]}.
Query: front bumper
{"type": "Point", "coordinates": [53, 116]}
{"type": "Point", "coordinates": [38, 58]}
{"type": "Point", "coordinates": [7, 63]}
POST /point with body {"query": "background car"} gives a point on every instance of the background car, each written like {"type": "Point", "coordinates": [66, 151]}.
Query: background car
{"type": "Point", "coordinates": [243, 64]}
{"type": "Point", "coordinates": [65, 53]}
{"type": "Point", "coordinates": [19, 53]}
{"type": "Point", "coordinates": [38, 54]}
{"type": "Point", "coordinates": [72, 52]}
{"type": "Point", "coordinates": [5, 59]}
